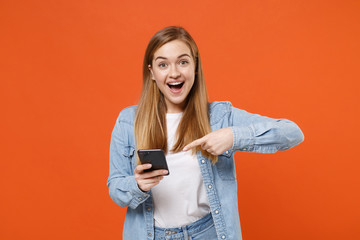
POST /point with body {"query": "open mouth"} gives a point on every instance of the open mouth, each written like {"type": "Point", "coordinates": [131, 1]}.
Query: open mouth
{"type": "Point", "coordinates": [175, 85]}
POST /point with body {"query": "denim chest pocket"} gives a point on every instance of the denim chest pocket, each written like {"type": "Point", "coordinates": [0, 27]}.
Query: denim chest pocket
{"type": "Point", "coordinates": [129, 152]}
{"type": "Point", "coordinates": [226, 167]}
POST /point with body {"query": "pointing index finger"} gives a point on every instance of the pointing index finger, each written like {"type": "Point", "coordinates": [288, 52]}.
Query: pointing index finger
{"type": "Point", "coordinates": [193, 144]}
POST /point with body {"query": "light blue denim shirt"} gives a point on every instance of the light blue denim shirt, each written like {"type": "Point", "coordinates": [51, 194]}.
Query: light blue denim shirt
{"type": "Point", "coordinates": [252, 133]}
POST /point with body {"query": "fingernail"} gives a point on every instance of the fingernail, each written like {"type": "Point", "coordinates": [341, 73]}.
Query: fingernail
{"type": "Point", "coordinates": [165, 172]}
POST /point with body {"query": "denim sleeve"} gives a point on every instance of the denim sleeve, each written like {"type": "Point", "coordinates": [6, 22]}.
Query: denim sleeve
{"type": "Point", "coordinates": [123, 188]}
{"type": "Point", "coordinates": [255, 133]}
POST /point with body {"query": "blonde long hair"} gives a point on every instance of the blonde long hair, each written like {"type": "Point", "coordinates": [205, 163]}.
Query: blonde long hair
{"type": "Point", "coordinates": [150, 118]}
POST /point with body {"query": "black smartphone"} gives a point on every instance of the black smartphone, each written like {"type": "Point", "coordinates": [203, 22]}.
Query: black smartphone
{"type": "Point", "coordinates": [154, 156]}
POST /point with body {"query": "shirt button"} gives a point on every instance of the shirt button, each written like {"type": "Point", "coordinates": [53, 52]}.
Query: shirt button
{"type": "Point", "coordinates": [203, 161]}
{"type": "Point", "coordinates": [227, 152]}
{"type": "Point", "coordinates": [149, 209]}
{"type": "Point", "coordinates": [217, 211]}
{"type": "Point", "coordinates": [244, 149]}
{"type": "Point", "coordinates": [149, 234]}
{"type": "Point", "coordinates": [210, 186]}
{"type": "Point", "coordinates": [223, 237]}
{"type": "Point", "coordinates": [140, 198]}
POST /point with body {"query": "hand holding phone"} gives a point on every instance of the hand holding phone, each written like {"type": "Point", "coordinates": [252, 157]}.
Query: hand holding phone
{"type": "Point", "coordinates": [156, 157]}
{"type": "Point", "coordinates": [151, 171]}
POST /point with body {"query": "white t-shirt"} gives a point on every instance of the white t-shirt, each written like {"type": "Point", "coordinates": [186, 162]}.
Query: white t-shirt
{"type": "Point", "coordinates": [180, 198]}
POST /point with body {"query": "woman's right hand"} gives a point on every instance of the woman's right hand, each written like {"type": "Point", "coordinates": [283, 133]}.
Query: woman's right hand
{"type": "Point", "coordinates": [147, 180]}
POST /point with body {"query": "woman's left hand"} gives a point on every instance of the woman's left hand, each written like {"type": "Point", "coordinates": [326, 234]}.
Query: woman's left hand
{"type": "Point", "coordinates": [215, 142]}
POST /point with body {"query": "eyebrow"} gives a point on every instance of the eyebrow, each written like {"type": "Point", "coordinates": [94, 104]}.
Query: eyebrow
{"type": "Point", "coordinates": [182, 55]}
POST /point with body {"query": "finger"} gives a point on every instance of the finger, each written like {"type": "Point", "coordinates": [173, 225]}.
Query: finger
{"type": "Point", "coordinates": [151, 180]}
{"type": "Point", "coordinates": [211, 151]}
{"type": "Point", "coordinates": [140, 168]}
{"type": "Point", "coordinates": [161, 172]}
{"type": "Point", "coordinates": [194, 144]}
{"type": "Point", "coordinates": [154, 173]}
{"type": "Point", "coordinates": [146, 185]}
{"type": "Point", "coordinates": [205, 146]}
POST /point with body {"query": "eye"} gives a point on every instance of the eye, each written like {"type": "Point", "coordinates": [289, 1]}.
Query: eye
{"type": "Point", "coordinates": [184, 62]}
{"type": "Point", "coordinates": [162, 65]}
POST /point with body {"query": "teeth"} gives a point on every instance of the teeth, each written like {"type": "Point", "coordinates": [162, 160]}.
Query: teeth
{"type": "Point", "coordinates": [175, 83]}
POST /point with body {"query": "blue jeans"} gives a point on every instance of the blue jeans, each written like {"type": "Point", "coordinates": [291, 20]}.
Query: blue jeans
{"type": "Point", "coordinates": [201, 229]}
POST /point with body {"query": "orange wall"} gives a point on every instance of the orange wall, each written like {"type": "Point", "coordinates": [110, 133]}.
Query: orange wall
{"type": "Point", "coordinates": [68, 67]}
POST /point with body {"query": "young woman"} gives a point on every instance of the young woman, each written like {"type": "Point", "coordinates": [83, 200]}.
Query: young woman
{"type": "Point", "coordinates": [198, 200]}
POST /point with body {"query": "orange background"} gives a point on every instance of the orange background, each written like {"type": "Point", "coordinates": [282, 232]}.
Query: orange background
{"type": "Point", "coordinates": [68, 67]}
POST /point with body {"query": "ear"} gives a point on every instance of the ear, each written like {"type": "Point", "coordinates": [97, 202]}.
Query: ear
{"type": "Point", "coordinates": [151, 72]}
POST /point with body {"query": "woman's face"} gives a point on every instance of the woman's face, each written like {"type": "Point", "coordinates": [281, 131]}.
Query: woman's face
{"type": "Point", "coordinates": [173, 69]}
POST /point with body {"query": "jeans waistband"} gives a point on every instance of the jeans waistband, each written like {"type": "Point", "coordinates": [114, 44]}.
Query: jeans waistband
{"type": "Point", "coordinates": [195, 227]}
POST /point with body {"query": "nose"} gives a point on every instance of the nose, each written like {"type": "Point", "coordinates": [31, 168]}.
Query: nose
{"type": "Point", "coordinates": [174, 72]}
